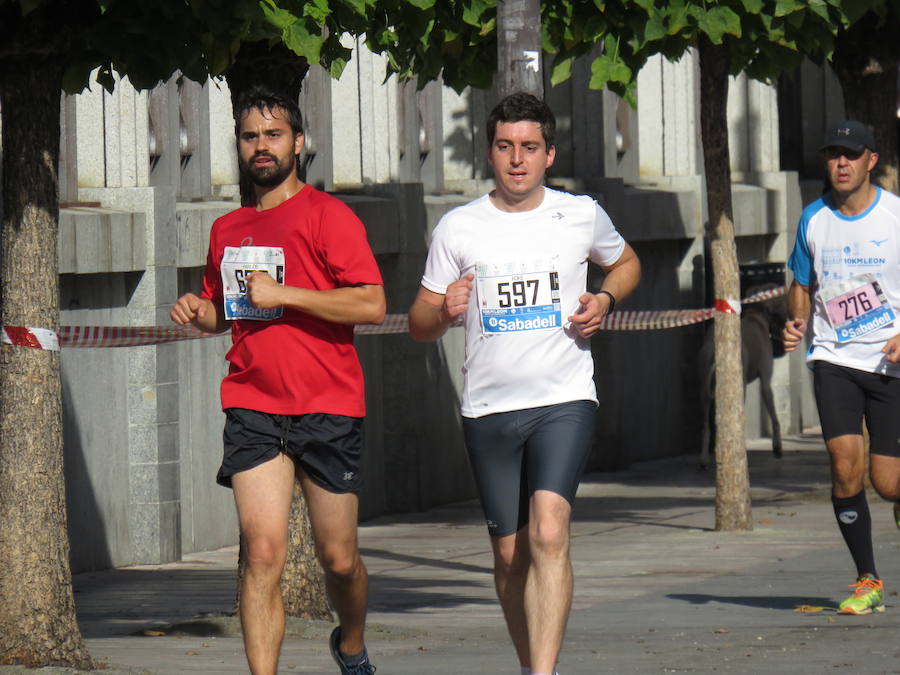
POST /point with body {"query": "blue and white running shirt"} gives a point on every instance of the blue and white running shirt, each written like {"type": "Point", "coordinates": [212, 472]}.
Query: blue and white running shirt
{"type": "Point", "coordinates": [854, 263]}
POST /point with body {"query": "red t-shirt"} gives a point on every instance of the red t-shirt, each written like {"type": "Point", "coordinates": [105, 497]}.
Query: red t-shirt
{"type": "Point", "coordinates": [295, 363]}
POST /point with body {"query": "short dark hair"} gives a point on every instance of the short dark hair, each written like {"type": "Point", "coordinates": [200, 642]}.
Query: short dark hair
{"type": "Point", "coordinates": [523, 107]}
{"type": "Point", "coordinates": [260, 98]}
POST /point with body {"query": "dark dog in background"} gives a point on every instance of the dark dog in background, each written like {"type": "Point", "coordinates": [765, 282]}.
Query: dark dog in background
{"type": "Point", "coordinates": [761, 326]}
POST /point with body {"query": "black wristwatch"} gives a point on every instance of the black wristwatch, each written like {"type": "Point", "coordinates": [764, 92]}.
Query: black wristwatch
{"type": "Point", "coordinates": [612, 301]}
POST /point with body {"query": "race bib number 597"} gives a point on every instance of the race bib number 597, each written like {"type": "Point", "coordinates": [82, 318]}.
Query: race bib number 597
{"type": "Point", "coordinates": [238, 263]}
{"type": "Point", "coordinates": [520, 296]}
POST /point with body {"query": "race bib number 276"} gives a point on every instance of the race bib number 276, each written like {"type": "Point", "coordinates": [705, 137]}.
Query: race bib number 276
{"type": "Point", "coordinates": [517, 297]}
{"type": "Point", "coordinates": [856, 307]}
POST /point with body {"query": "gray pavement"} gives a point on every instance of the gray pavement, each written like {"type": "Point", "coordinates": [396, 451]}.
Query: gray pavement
{"type": "Point", "coordinates": [658, 590]}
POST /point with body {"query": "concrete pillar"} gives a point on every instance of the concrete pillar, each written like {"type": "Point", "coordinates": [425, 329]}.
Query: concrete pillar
{"type": "Point", "coordinates": [164, 136]}
{"type": "Point", "coordinates": [152, 391]}
{"type": "Point", "coordinates": [408, 140]}
{"type": "Point", "coordinates": [90, 141]}
{"type": "Point", "coordinates": [194, 141]}
{"type": "Point", "coordinates": [752, 125]}
{"type": "Point", "coordinates": [378, 119]}
{"type": "Point", "coordinates": [68, 150]}
{"type": "Point", "coordinates": [458, 132]}
{"type": "Point", "coordinates": [345, 117]}
{"type": "Point", "coordinates": [669, 117]}
{"type": "Point", "coordinates": [316, 105]}
{"type": "Point", "coordinates": [430, 137]}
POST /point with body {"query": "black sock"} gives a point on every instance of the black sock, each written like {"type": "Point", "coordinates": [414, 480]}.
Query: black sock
{"type": "Point", "coordinates": [853, 518]}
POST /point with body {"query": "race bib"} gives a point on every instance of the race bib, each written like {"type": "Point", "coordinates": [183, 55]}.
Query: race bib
{"type": "Point", "coordinates": [518, 296]}
{"type": "Point", "coordinates": [238, 263]}
{"type": "Point", "coordinates": [856, 307]}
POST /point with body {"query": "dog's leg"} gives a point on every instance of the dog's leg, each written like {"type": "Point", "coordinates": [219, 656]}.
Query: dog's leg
{"type": "Point", "coordinates": [765, 389]}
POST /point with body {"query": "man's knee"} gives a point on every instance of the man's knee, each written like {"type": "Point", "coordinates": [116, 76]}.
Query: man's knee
{"type": "Point", "coordinates": [549, 535]}
{"type": "Point", "coordinates": [339, 560]}
{"type": "Point", "coordinates": [885, 476]}
{"type": "Point", "coordinates": [264, 554]}
{"type": "Point", "coordinates": [511, 561]}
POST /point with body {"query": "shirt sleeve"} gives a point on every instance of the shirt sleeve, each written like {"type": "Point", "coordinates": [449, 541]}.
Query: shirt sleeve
{"type": "Point", "coordinates": [800, 262]}
{"type": "Point", "coordinates": [441, 267]}
{"type": "Point", "coordinates": [212, 277]}
{"type": "Point", "coordinates": [344, 245]}
{"type": "Point", "coordinates": [608, 244]}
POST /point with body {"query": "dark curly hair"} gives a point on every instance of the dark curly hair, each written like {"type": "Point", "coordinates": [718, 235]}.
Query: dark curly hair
{"type": "Point", "coordinates": [261, 98]}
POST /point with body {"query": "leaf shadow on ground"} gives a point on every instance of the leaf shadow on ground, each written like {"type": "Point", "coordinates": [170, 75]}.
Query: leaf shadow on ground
{"type": "Point", "coordinates": [783, 602]}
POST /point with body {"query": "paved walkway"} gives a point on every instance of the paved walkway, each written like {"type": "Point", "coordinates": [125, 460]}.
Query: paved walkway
{"type": "Point", "coordinates": [657, 589]}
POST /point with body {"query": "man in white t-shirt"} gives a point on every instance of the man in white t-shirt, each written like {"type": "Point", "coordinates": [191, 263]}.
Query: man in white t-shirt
{"type": "Point", "coordinates": [846, 265]}
{"type": "Point", "coordinates": [512, 266]}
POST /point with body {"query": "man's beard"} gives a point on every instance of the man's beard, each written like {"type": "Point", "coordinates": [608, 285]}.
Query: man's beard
{"type": "Point", "coordinates": [268, 175]}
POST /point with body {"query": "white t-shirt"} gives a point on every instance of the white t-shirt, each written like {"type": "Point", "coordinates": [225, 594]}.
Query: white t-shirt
{"type": "Point", "coordinates": [855, 262]}
{"type": "Point", "coordinates": [530, 270]}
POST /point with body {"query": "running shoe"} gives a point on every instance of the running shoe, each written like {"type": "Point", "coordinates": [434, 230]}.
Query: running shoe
{"type": "Point", "coordinates": [361, 668]}
{"type": "Point", "coordinates": [867, 597]}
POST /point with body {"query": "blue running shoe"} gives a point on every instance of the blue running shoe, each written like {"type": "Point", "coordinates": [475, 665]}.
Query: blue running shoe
{"type": "Point", "coordinates": [363, 667]}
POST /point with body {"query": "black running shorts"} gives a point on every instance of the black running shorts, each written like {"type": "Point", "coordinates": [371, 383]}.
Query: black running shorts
{"type": "Point", "coordinates": [515, 453]}
{"type": "Point", "coordinates": [328, 447]}
{"type": "Point", "coordinates": [844, 396]}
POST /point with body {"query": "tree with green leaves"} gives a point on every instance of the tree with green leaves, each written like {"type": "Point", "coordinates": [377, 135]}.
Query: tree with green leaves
{"type": "Point", "coordinates": [47, 46]}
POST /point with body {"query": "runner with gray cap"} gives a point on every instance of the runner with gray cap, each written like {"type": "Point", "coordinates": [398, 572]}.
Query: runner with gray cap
{"type": "Point", "coordinates": [846, 265]}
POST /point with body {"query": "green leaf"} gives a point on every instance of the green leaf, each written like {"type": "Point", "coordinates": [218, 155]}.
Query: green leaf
{"type": "Point", "coordinates": [785, 7]}
{"type": "Point", "coordinates": [753, 6]}
{"type": "Point", "coordinates": [473, 11]}
{"type": "Point", "coordinates": [421, 4]}
{"type": "Point", "coordinates": [820, 8]}
{"type": "Point", "coordinates": [606, 69]}
{"type": "Point", "coordinates": [718, 22]}
{"type": "Point", "coordinates": [303, 43]}
{"type": "Point", "coordinates": [562, 70]}
{"type": "Point", "coordinates": [282, 19]}
{"type": "Point", "coordinates": [337, 67]}
{"type": "Point", "coordinates": [654, 29]}
{"type": "Point", "coordinates": [76, 76]}
{"type": "Point", "coordinates": [105, 77]}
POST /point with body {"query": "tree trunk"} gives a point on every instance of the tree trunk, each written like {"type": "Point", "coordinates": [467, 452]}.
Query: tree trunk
{"type": "Point", "coordinates": [732, 478]}
{"type": "Point", "coordinates": [865, 60]}
{"type": "Point", "coordinates": [302, 584]}
{"type": "Point", "coordinates": [519, 47]}
{"type": "Point", "coordinates": [38, 626]}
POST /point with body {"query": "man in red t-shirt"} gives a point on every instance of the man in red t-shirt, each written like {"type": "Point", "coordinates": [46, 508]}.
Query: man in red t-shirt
{"type": "Point", "coordinates": [291, 276]}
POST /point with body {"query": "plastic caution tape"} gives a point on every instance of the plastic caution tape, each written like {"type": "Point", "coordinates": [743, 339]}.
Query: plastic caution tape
{"type": "Point", "coordinates": [135, 336]}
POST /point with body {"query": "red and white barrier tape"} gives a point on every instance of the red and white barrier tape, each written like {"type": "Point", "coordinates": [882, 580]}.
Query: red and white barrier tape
{"type": "Point", "coordinates": [133, 336]}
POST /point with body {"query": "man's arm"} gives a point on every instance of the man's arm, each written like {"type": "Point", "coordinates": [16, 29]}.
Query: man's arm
{"type": "Point", "coordinates": [622, 278]}
{"type": "Point", "coordinates": [348, 305]}
{"type": "Point", "coordinates": [203, 313]}
{"type": "Point", "coordinates": [432, 313]}
{"type": "Point", "coordinates": [799, 309]}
